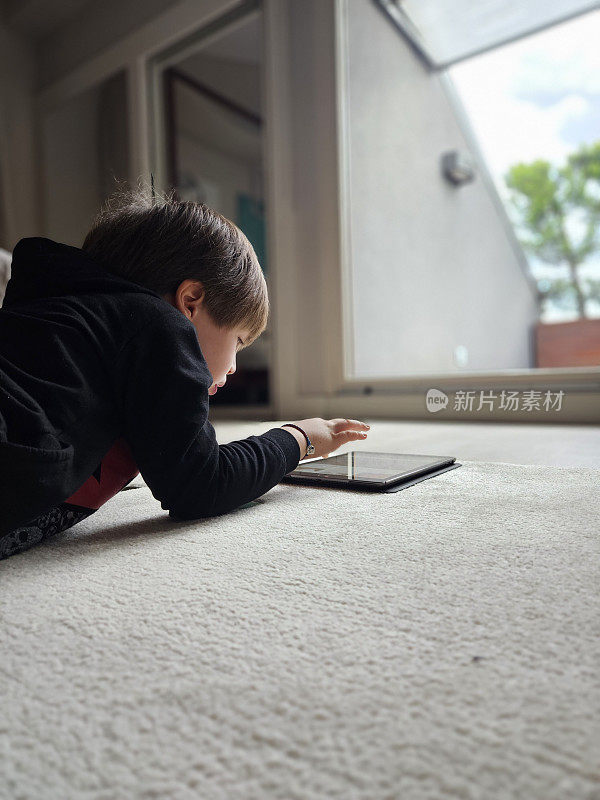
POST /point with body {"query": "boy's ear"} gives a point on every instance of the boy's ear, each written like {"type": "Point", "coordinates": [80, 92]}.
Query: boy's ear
{"type": "Point", "coordinates": [188, 296]}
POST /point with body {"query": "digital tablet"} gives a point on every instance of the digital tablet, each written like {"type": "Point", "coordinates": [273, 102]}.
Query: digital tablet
{"type": "Point", "coordinates": [365, 469]}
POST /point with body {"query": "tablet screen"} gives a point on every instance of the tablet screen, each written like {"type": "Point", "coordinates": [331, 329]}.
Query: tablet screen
{"type": "Point", "coordinates": [367, 466]}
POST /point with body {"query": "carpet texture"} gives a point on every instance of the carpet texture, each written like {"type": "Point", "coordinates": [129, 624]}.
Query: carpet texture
{"type": "Point", "coordinates": [439, 642]}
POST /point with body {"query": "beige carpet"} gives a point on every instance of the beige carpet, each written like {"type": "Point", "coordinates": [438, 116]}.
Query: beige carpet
{"type": "Point", "coordinates": [439, 642]}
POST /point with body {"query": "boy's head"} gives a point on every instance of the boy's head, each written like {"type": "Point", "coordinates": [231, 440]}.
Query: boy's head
{"type": "Point", "coordinates": [192, 256]}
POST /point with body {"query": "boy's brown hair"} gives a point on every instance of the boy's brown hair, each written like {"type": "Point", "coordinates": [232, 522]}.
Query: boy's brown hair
{"type": "Point", "coordinates": [160, 242]}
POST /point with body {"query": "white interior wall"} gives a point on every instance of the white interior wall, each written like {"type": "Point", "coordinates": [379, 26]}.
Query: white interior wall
{"type": "Point", "coordinates": [71, 186]}
{"type": "Point", "coordinates": [18, 157]}
{"type": "Point", "coordinates": [83, 148]}
{"type": "Point", "coordinates": [433, 267]}
{"type": "Point", "coordinates": [113, 133]}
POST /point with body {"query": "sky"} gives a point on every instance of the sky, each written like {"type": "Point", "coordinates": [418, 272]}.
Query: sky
{"type": "Point", "coordinates": [535, 98]}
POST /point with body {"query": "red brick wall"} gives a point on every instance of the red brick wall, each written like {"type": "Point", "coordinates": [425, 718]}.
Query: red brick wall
{"type": "Point", "coordinates": [568, 344]}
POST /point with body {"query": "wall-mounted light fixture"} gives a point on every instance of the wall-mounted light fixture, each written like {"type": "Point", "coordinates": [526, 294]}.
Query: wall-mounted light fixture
{"type": "Point", "coordinates": [457, 168]}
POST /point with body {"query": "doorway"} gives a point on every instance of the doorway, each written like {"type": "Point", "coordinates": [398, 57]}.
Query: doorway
{"type": "Point", "coordinates": [211, 151]}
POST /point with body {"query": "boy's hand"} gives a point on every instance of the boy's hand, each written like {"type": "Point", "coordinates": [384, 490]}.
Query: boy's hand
{"type": "Point", "coordinates": [328, 434]}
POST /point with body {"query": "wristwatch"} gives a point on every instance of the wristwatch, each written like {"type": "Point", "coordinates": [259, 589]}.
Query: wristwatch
{"type": "Point", "coordinates": [310, 448]}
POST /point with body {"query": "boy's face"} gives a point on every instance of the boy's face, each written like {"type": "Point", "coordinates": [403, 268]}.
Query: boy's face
{"type": "Point", "coordinates": [219, 346]}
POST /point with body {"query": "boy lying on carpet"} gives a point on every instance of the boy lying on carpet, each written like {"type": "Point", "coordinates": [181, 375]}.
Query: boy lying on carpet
{"type": "Point", "coordinates": [107, 356]}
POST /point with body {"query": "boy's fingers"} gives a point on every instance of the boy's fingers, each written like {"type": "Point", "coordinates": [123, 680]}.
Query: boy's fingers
{"type": "Point", "coordinates": [350, 434]}
{"type": "Point", "coordinates": [350, 424]}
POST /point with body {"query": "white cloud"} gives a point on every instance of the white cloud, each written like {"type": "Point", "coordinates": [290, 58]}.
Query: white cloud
{"type": "Point", "coordinates": [499, 92]}
{"type": "Point", "coordinates": [565, 58]}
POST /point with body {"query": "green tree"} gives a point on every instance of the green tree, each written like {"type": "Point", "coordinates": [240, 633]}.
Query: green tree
{"type": "Point", "coordinates": [557, 216]}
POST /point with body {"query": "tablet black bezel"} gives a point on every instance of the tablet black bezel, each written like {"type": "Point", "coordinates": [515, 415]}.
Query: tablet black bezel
{"type": "Point", "coordinates": [445, 461]}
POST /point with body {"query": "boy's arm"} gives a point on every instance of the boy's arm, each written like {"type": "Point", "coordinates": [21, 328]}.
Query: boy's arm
{"type": "Point", "coordinates": [162, 383]}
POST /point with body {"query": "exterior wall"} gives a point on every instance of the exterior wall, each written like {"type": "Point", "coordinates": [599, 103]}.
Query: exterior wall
{"type": "Point", "coordinates": [433, 267]}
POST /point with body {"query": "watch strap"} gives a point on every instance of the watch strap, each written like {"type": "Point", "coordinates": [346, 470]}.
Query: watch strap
{"type": "Point", "coordinates": [310, 449]}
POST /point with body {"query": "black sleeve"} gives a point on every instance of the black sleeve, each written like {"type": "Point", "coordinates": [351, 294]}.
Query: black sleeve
{"type": "Point", "coordinates": [162, 389]}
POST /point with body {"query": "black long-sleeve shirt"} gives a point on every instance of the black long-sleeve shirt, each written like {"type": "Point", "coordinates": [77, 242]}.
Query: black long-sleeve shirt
{"type": "Point", "coordinates": [86, 359]}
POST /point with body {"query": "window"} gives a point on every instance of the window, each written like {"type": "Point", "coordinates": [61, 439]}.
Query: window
{"type": "Point", "coordinates": [535, 108]}
{"type": "Point", "coordinates": [440, 284]}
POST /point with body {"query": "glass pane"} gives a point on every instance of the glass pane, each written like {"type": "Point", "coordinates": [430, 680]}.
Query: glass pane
{"type": "Point", "coordinates": [454, 29]}
{"type": "Point", "coordinates": [541, 140]}
{"type": "Point", "coordinates": [439, 282]}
